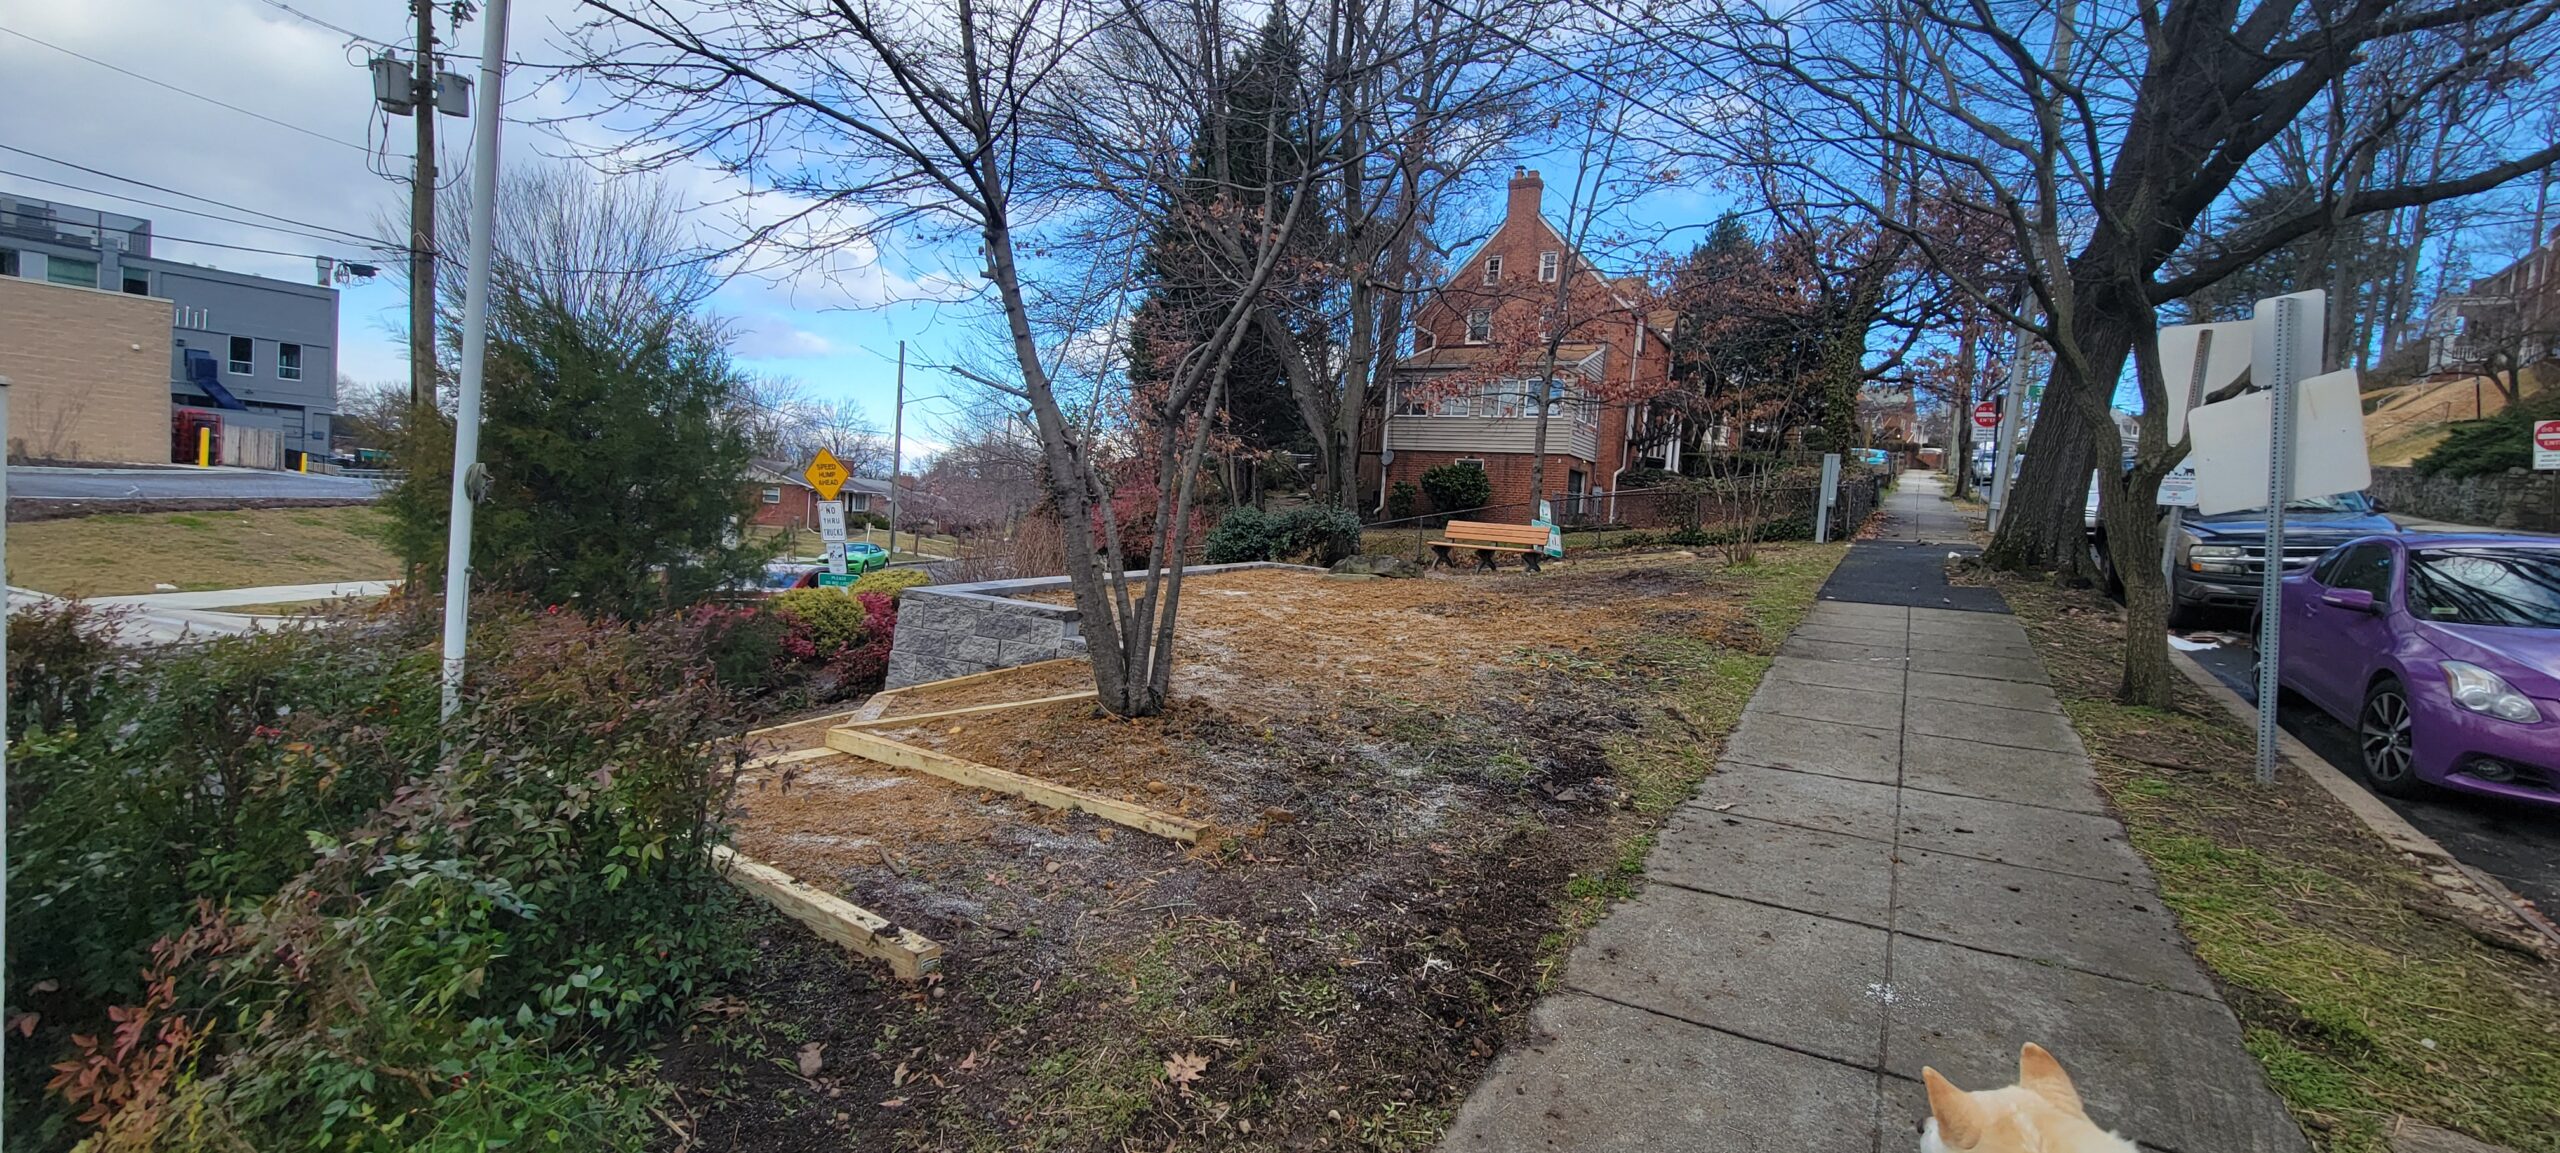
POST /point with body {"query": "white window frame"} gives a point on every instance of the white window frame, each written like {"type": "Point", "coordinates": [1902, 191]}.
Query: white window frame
{"type": "Point", "coordinates": [1407, 404]}
{"type": "Point", "coordinates": [1424, 340]}
{"type": "Point", "coordinates": [286, 371]}
{"type": "Point", "coordinates": [238, 367]}
{"type": "Point", "coordinates": [1479, 318]}
{"type": "Point", "coordinates": [1477, 461]}
{"type": "Point", "coordinates": [773, 496]}
{"type": "Point", "coordinates": [857, 502]}
{"type": "Point", "coordinates": [1493, 270]}
{"type": "Point", "coordinates": [1548, 264]}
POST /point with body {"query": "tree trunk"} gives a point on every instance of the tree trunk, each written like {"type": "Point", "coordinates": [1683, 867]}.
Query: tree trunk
{"type": "Point", "coordinates": [2044, 524]}
{"type": "Point", "coordinates": [2133, 543]}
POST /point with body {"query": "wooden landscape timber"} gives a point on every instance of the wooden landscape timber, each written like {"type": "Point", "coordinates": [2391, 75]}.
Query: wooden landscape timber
{"type": "Point", "coordinates": [778, 760]}
{"type": "Point", "coordinates": [970, 710]}
{"type": "Point", "coordinates": [872, 746]}
{"type": "Point", "coordinates": [909, 954]}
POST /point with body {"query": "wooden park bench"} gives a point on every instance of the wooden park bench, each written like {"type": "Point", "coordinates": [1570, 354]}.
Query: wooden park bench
{"type": "Point", "coordinates": [1489, 540]}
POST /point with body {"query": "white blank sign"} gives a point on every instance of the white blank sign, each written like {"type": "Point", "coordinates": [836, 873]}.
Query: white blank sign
{"type": "Point", "coordinates": [2230, 444]}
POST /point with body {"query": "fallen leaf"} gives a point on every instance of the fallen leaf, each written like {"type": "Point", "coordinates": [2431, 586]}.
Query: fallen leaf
{"type": "Point", "coordinates": [1185, 1068]}
{"type": "Point", "coordinates": [813, 1057]}
{"type": "Point", "coordinates": [893, 1103]}
{"type": "Point", "coordinates": [969, 1062]}
{"type": "Point", "coordinates": [1725, 807]}
{"type": "Point", "coordinates": [899, 1077]}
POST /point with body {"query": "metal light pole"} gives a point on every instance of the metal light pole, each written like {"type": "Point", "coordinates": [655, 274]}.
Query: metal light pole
{"type": "Point", "coordinates": [475, 344]}
{"type": "Point", "coordinates": [897, 448]}
{"type": "Point", "coordinates": [4, 703]}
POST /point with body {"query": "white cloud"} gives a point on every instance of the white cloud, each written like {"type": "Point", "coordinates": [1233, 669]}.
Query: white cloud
{"type": "Point", "coordinates": [774, 338]}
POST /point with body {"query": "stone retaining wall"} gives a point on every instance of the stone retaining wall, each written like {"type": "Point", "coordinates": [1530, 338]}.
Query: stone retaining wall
{"type": "Point", "coordinates": [947, 631]}
{"type": "Point", "coordinates": [2515, 499]}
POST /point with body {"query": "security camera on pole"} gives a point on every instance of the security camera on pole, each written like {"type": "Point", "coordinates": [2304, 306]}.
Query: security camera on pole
{"type": "Point", "coordinates": [2301, 434]}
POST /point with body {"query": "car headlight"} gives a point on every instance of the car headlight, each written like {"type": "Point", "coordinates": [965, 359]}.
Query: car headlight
{"type": "Point", "coordinates": [2213, 551]}
{"type": "Point", "coordinates": [2482, 691]}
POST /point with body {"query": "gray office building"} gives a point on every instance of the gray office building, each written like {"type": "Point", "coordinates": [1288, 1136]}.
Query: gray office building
{"type": "Point", "coordinates": [263, 353]}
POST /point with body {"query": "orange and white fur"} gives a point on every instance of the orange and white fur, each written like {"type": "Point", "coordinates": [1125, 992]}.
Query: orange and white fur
{"type": "Point", "coordinates": [2039, 1114]}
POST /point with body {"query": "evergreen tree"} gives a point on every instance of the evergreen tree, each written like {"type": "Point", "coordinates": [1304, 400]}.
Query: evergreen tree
{"type": "Point", "coordinates": [1255, 144]}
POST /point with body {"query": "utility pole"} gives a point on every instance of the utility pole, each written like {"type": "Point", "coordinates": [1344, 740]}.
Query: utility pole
{"type": "Point", "coordinates": [897, 447]}
{"type": "Point", "coordinates": [422, 217]}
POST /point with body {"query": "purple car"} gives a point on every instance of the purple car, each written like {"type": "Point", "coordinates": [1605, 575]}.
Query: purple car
{"type": "Point", "coordinates": [2443, 652]}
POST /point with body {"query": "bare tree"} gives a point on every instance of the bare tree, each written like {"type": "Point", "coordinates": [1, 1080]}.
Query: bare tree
{"type": "Point", "coordinates": [2101, 134]}
{"type": "Point", "coordinates": [960, 120]}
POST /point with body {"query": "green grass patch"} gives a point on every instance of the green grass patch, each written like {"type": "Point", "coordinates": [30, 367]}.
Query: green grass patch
{"type": "Point", "coordinates": [116, 553]}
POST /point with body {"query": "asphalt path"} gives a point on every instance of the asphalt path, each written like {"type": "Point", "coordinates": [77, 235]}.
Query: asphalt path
{"type": "Point", "coordinates": [2517, 844]}
{"type": "Point", "coordinates": [43, 483]}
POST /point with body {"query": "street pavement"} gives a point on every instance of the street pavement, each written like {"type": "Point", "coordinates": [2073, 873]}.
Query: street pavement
{"type": "Point", "coordinates": [1902, 859]}
{"type": "Point", "coordinates": [142, 625]}
{"type": "Point", "coordinates": [33, 482]}
{"type": "Point", "coordinates": [263, 595]}
{"type": "Point", "coordinates": [2517, 844]}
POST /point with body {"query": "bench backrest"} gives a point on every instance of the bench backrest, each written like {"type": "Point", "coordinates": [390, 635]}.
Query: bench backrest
{"type": "Point", "coordinates": [1491, 533]}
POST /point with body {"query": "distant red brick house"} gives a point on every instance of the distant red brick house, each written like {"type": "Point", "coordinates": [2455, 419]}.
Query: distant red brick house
{"type": "Point", "coordinates": [782, 498]}
{"type": "Point", "coordinates": [1464, 394]}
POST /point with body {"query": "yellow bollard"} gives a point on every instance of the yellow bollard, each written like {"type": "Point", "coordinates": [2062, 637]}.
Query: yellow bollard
{"type": "Point", "coordinates": [204, 447]}
{"type": "Point", "coordinates": [306, 462]}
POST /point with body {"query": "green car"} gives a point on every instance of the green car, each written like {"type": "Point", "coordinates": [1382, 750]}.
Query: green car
{"type": "Point", "coordinates": [863, 556]}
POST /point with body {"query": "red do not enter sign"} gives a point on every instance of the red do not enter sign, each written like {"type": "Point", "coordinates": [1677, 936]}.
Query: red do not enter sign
{"type": "Point", "coordinates": [2546, 435]}
{"type": "Point", "coordinates": [1987, 415]}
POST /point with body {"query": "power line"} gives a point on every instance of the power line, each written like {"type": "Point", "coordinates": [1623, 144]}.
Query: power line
{"type": "Point", "coordinates": [199, 213]}
{"type": "Point", "coordinates": [308, 18]}
{"type": "Point", "coordinates": [341, 232]}
{"type": "Point", "coordinates": [182, 91]}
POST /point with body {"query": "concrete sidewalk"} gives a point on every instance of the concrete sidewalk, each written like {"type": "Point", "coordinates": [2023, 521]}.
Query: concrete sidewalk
{"type": "Point", "coordinates": [1902, 860]}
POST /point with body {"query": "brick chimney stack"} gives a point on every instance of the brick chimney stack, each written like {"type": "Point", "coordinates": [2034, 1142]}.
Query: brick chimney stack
{"type": "Point", "coordinates": [1526, 192]}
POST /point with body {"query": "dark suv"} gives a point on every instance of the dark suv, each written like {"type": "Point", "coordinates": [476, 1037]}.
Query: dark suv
{"type": "Point", "coordinates": [2220, 558]}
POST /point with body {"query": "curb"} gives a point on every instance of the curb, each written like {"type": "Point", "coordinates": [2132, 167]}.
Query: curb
{"type": "Point", "coordinates": [2468, 889]}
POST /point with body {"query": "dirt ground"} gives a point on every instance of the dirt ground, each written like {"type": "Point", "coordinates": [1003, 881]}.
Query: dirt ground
{"type": "Point", "coordinates": [1432, 782]}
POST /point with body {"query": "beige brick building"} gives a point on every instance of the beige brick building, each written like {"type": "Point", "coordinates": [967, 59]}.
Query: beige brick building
{"type": "Point", "coordinates": [88, 373]}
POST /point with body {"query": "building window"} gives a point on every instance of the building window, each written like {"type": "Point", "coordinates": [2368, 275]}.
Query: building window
{"type": "Point", "coordinates": [1474, 462]}
{"type": "Point", "coordinates": [1424, 340]}
{"type": "Point", "coordinates": [1411, 403]}
{"type": "Point", "coordinates": [1547, 264]}
{"type": "Point", "coordinates": [1479, 326]}
{"type": "Point", "coordinates": [241, 362]}
{"type": "Point", "coordinates": [137, 285]}
{"type": "Point", "coordinates": [8, 262]}
{"type": "Point", "coordinates": [773, 496]}
{"type": "Point", "coordinates": [858, 502]}
{"type": "Point", "coordinates": [1493, 270]}
{"type": "Point", "coordinates": [76, 273]}
{"type": "Point", "coordinates": [288, 362]}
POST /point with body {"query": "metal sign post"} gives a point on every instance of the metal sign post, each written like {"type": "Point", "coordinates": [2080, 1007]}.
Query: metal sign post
{"type": "Point", "coordinates": [1830, 496]}
{"type": "Point", "coordinates": [2281, 359]}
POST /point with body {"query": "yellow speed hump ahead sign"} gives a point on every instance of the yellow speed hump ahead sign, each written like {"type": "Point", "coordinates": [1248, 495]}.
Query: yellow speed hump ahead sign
{"type": "Point", "coordinates": [827, 474]}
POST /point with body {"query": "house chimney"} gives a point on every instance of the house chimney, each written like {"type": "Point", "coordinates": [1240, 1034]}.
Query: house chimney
{"type": "Point", "coordinates": [1526, 191]}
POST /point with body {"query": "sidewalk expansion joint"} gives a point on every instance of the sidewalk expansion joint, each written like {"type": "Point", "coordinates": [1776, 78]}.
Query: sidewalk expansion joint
{"type": "Point", "coordinates": [1896, 843]}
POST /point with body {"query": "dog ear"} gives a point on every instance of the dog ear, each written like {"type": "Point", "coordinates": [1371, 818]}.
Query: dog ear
{"type": "Point", "coordinates": [1959, 1119]}
{"type": "Point", "coordinates": [2041, 1075]}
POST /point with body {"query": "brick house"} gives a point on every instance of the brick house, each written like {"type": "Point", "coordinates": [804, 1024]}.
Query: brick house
{"type": "Point", "coordinates": [1464, 394]}
{"type": "Point", "coordinates": [782, 498]}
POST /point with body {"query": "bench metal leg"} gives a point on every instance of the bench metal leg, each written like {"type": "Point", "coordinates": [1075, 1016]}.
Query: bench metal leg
{"type": "Point", "coordinates": [1530, 558]}
{"type": "Point", "coordinates": [1440, 554]}
{"type": "Point", "coordinates": [1484, 560]}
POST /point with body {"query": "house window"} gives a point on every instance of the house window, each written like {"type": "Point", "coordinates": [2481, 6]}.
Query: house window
{"type": "Point", "coordinates": [241, 352]}
{"type": "Point", "coordinates": [773, 496]}
{"type": "Point", "coordinates": [1547, 264]}
{"type": "Point", "coordinates": [1507, 399]}
{"type": "Point", "coordinates": [1409, 403]}
{"type": "Point", "coordinates": [858, 502]}
{"type": "Point", "coordinates": [1474, 462]}
{"type": "Point", "coordinates": [1424, 340]}
{"type": "Point", "coordinates": [1479, 326]}
{"type": "Point", "coordinates": [76, 273]}
{"type": "Point", "coordinates": [288, 362]}
{"type": "Point", "coordinates": [1493, 270]}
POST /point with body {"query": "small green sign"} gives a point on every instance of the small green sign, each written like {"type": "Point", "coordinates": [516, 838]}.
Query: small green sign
{"type": "Point", "coordinates": [835, 580]}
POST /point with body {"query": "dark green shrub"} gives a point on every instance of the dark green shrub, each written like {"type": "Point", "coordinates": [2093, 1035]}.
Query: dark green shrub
{"type": "Point", "coordinates": [1318, 533]}
{"type": "Point", "coordinates": [1632, 540]}
{"type": "Point", "coordinates": [2490, 447]}
{"type": "Point", "coordinates": [1457, 487]}
{"type": "Point", "coordinates": [326, 920]}
{"type": "Point", "coordinates": [61, 654]}
{"type": "Point", "coordinates": [1401, 497]}
{"type": "Point", "coordinates": [1243, 535]}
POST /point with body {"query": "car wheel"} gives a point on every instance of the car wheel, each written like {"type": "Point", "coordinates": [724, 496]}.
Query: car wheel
{"type": "Point", "coordinates": [2385, 731]}
{"type": "Point", "coordinates": [2184, 616]}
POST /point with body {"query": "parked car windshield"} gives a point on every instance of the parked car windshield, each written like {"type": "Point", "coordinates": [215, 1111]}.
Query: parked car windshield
{"type": "Point", "coordinates": [2519, 587]}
